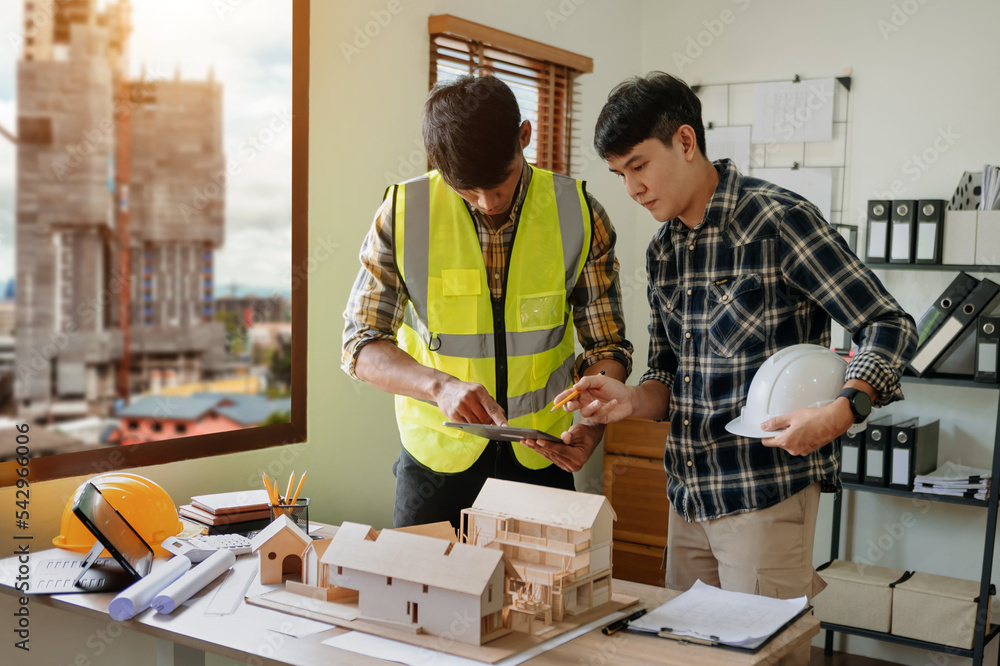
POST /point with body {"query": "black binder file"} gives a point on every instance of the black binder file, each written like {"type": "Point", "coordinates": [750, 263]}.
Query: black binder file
{"type": "Point", "coordinates": [878, 232]}
{"type": "Point", "coordinates": [987, 344]}
{"type": "Point", "coordinates": [983, 299]}
{"type": "Point", "coordinates": [877, 452]}
{"type": "Point", "coordinates": [930, 227]}
{"type": "Point", "coordinates": [903, 231]}
{"type": "Point", "coordinates": [914, 450]}
{"type": "Point", "coordinates": [852, 457]}
{"type": "Point", "coordinates": [950, 298]}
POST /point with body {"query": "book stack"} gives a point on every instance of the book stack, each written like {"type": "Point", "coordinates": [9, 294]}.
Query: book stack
{"type": "Point", "coordinates": [235, 512]}
{"type": "Point", "coordinates": [954, 480]}
{"type": "Point", "coordinates": [947, 332]}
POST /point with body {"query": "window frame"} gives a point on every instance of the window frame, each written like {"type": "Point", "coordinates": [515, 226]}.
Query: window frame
{"type": "Point", "coordinates": [105, 459]}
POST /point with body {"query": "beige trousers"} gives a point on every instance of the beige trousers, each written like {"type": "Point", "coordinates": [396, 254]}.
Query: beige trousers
{"type": "Point", "coordinates": [767, 552]}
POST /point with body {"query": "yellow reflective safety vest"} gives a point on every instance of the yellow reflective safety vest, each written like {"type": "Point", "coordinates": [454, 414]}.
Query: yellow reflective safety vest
{"type": "Point", "coordinates": [521, 349]}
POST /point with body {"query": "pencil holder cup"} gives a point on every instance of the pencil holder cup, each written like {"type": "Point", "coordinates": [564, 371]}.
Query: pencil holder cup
{"type": "Point", "coordinates": [298, 512]}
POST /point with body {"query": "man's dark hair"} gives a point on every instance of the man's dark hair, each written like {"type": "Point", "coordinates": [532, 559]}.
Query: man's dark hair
{"type": "Point", "coordinates": [646, 107]}
{"type": "Point", "coordinates": [471, 131]}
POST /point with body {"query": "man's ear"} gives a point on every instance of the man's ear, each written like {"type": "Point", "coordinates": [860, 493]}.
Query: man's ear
{"type": "Point", "coordinates": [524, 137]}
{"type": "Point", "coordinates": [687, 141]}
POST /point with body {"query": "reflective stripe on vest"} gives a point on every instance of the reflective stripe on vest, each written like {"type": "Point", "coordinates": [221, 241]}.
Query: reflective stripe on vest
{"type": "Point", "coordinates": [448, 323]}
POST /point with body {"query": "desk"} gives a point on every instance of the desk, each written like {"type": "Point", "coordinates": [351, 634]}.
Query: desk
{"type": "Point", "coordinates": [187, 634]}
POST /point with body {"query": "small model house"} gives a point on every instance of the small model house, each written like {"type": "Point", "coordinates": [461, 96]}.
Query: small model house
{"type": "Point", "coordinates": [283, 548]}
{"type": "Point", "coordinates": [420, 581]}
{"type": "Point", "coordinates": [559, 541]}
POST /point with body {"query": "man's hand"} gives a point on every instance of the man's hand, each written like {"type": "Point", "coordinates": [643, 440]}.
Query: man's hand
{"type": "Point", "coordinates": [806, 430]}
{"type": "Point", "coordinates": [602, 399]}
{"type": "Point", "coordinates": [578, 443]}
{"type": "Point", "coordinates": [466, 402]}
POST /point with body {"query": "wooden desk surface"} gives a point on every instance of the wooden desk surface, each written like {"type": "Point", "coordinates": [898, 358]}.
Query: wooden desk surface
{"type": "Point", "coordinates": [237, 638]}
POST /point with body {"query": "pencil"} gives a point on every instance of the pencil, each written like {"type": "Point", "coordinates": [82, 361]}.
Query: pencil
{"type": "Point", "coordinates": [298, 488]}
{"type": "Point", "coordinates": [574, 394]}
{"type": "Point", "coordinates": [288, 491]}
{"type": "Point", "coordinates": [268, 488]}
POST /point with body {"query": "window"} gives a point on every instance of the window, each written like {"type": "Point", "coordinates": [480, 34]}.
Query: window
{"type": "Point", "coordinates": [34, 130]}
{"type": "Point", "coordinates": [181, 428]}
{"type": "Point", "coordinates": [542, 77]}
{"type": "Point", "coordinates": [292, 35]}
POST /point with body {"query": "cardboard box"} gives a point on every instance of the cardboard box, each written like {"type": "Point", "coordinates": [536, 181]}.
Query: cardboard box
{"type": "Point", "coordinates": [937, 609]}
{"type": "Point", "coordinates": [958, 242]}
{"type": "Point", "coordinates": [988, 237]}
{"type": "Point", "coordinates": [857, 595]}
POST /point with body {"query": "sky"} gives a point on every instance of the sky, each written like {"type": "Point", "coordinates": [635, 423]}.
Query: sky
{"type": "Point", "coordinates": [248, 43]}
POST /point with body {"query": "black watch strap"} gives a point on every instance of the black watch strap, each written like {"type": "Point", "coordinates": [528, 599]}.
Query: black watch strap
{"type": "Point", "coordinates": [861, 404]}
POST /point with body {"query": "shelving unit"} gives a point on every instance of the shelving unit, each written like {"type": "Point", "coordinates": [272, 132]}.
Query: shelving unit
{"type": "Point", "coordinates": [982, 638]}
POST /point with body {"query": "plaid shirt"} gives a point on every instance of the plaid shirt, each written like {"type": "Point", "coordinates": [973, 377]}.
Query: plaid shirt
{"type": "Point", "coordinates": [378, 298]}
{"type": "Point", "coordinates": [761, 272]}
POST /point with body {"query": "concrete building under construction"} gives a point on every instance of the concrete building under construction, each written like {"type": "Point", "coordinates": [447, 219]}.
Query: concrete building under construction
{"type": "Point", "coordinates": [105, 165]}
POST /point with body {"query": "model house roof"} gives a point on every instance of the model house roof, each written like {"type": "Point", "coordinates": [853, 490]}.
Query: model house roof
{"type": "Point", "coordinates": [540, 504]}
{"type": "Point", "coordinates": [412, 557]}
{"type": "Point", "coordinates": [277, 525]}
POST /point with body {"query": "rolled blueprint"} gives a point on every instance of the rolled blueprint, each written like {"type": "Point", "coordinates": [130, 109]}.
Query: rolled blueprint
{"type": "Point", "coordinates": [193, 581]}
{"type": "Point", "coordinates": [136, 597]}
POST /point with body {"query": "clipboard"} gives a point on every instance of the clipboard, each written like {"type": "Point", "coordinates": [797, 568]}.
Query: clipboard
{"type": "Point", "coordinates": [502, 433]}
{"type": "Point", "coordinates": [712, 641]}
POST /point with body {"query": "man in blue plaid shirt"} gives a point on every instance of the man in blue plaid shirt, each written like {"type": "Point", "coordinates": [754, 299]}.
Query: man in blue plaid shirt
{"type": "Point", "coordinates": [738, 270]}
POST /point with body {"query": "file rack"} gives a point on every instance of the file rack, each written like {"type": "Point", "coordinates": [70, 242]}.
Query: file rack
{"type": "Point", "coordinates": [982, 637]}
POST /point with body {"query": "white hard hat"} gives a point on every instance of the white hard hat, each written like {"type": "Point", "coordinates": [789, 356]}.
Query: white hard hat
{"type": "Point", "coordinates": [793, 378]}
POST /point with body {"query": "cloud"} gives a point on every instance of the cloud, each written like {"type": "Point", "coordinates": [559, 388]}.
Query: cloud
{"type": "Point", "coordinates": [256, 258]}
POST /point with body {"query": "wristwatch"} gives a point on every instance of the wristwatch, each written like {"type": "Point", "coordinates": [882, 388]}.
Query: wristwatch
{"type": "Point", "coordinates": [860, 403]}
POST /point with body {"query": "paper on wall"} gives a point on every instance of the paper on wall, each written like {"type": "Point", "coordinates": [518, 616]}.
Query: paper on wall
{"type": "Point", "coordinates": [793, 112]}
{"type": "Point", "coordinates": [729, 142]}
{"type": "Point", "coordinates": [815, 185]}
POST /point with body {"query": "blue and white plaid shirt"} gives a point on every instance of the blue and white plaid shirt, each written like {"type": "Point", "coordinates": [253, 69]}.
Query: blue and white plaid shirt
{"type": "Point", "coordinates": [761, 272]}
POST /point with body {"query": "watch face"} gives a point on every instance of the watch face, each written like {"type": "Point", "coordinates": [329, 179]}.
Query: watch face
{"type": "Point", "coordinates": [861, 404]}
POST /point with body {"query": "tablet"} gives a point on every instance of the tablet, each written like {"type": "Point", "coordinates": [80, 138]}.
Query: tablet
{"type": "Point", "coordinates": [502, 433]}
{"type": "Point", "coordinates": [113, 531]}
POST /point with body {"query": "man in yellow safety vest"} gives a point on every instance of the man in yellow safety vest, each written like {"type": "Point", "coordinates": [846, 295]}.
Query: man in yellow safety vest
{"type": "Point", "coordinates": [473, 279]}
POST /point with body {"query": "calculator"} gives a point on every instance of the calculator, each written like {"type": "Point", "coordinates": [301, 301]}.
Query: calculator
{"type": "Point", "coordinates": [200, 547]}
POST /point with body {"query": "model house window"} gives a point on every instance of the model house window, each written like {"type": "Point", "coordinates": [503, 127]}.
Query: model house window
{"type": "Point", "coordinates": [388, 580]}
{"type": "Point", "coordinates": [542, 77]}
{"type": "Point", "coordinates": [181, 428]}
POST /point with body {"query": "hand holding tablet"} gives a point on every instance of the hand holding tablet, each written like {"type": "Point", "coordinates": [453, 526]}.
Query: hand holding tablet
{"type": "Point", "coordinates": [502, 433]}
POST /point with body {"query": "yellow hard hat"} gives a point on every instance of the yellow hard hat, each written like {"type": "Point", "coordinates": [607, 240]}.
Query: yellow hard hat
{"type": "Point", "coordinates": [144, 504]}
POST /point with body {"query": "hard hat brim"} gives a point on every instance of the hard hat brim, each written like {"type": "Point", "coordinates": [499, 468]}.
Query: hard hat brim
{"type": "Point", "coordinates": [739, 427]}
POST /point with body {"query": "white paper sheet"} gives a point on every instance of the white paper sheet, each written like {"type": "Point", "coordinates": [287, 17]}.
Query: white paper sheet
{"type": "Point", "coordinates": [732, 618]}
{"type": "Point", "coordinates": [815, 185]}
{"type": "Point", "coordinates": [793, 112]}
{"type": "Point", "coordinates": [731, 142]}
{"type": "Point", "coordinates": [413, 655]}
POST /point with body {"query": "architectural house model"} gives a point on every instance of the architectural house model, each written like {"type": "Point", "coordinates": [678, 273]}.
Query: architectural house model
{"type": "Point", "coordinates": [559, 541]}
{"type": "Point", "coordinates": [532, 556]}
{"type": "Point", "coordinates": [421, 581]}
{"type": "Point", "coordinates": [283, 548]}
